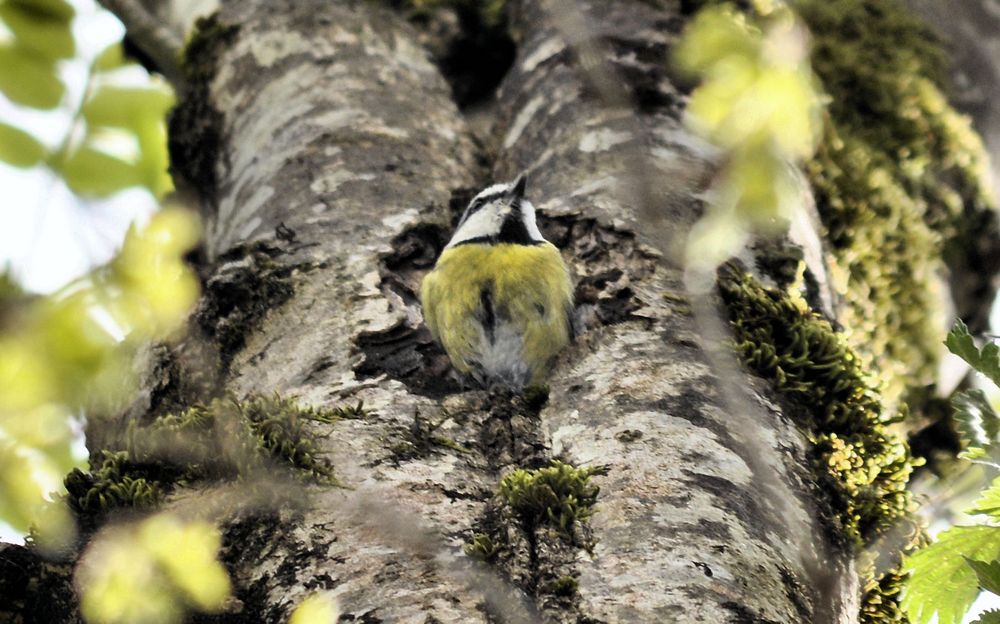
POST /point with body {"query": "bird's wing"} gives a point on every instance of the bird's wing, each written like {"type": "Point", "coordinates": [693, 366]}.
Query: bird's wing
{"type": "Point", "coordinates": [428, 297]}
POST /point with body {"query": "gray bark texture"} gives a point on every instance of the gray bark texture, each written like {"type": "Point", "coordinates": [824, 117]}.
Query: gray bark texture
{"type": "Point", "coordinates": [330, 160]}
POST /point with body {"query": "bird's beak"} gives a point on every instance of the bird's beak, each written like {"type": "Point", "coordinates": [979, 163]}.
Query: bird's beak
{"type": "Point", "coordinates": [517, 189]}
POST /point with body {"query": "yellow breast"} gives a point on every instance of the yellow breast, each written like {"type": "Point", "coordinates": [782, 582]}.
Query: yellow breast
{"type": "Point", "coordinates": [531, 293]}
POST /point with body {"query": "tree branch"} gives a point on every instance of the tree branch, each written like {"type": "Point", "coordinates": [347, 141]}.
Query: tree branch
{"type": "Point", "coordinates": [148, 32]}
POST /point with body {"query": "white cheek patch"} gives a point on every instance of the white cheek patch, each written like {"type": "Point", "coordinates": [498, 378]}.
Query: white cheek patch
{"type": "Point", "coordinates": [528, 212]}
{"type": "Point", "coordinates": [485, 222]}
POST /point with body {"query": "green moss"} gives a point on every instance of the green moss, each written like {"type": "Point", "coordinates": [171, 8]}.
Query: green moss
{"type": "Point", "coordinates": [557, 496]}
{"type": "Point", "coordinates": [859, 463]}
{"type": "Point", "coordinates": [229, 439]}
{"type": "Point", "coordinates": [482, 547]}
{"type": "Point", "coordinates": [896, 173]}
{"type": "Point", "coordinates": [880, 600]}
{"type": "Point", "coordinates": [863, 465]}
{"type": "Point", "coordinates": [112, 483]}
{"type": "Point", "coordinates": [896, 169]}
{"type": "Point", "coordinates": [566, 586]}
{"type": "Point", "coordinates": [222, 440]}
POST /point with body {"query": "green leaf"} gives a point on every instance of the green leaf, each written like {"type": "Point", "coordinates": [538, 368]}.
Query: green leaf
{"type": "Point", "coordinates": [51, 9]}
{"type": "Point", "coordinates": [140, 111]}
{"type": "Point", "coordinates": [988, 617]}
{"type": "Point", "coordinates": [988, 574]}
{"type": "Point", "coordinates": [112, 57]}
{"type": "Point", "coordinates": [91, 172]}
{"type": "Point", "coordinates": [978, 426]}
{"type": "Point", "coordinates": [986, 361]}
{"type": "Point", "coordinates": [27, 79]}
{"type": "Point", "coordinates": [39, 32]}
{"type": "Point", "coordinates": [19, 148]}
{"type": "Point", "coordinates": [988, 501]}
{"type": "Point", "coordinates": [940, 580]}
{"type": "Point", "coordinates": [126, 107]}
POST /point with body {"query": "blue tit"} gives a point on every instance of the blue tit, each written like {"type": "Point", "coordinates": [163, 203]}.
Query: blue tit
{"type": "Point", "coordinates": [500, 298]}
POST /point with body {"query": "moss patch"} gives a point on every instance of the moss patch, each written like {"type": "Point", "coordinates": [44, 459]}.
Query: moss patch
{"type": "Point", "coordinates": [558, 496]}
{"type": "Point", "coordinates": [113, 482]}
{"type": "Point", "coordinates": [195, 125]}
{"type": "Point", "coordinates": [897, 175]}
{"type": "Point", "coordinates": [533, 530]}
{"type": "Point", "coordinates": [860, 466]}
{"type": "Point", "coordinates": [222, 440]}
{"type": "Point", "coordinates": [896, 172]}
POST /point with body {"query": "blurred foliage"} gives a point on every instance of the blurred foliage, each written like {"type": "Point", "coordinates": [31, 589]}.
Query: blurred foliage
{"type": "Point", "coordinates": [117, 138]}
{"type": "Point", "coordinates": [71, 351]}
{"type": "Point", "coordinates": [896, 169]}
{"type": "Point", "coordinates": [758, 102]}
{"type": "Point", "coordinates": [152, 572]}
{"type": "Point", "coordinates": [946, 576]}
{"type": "Point", "coordinates": [319, 608]}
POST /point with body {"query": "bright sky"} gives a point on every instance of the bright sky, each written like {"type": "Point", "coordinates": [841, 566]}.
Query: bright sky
{"type": "Point", "coordinates": [47, 235]}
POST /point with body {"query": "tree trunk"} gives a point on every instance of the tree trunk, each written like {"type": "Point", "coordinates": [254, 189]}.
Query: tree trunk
{"type": "Point", "coordinates": [330, 162]}
{"type": "Point", "coordinates": [338, 145]}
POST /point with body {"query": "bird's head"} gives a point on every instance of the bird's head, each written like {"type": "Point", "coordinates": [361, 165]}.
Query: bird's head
{"type": "Point", "coordinates": [499, 214]}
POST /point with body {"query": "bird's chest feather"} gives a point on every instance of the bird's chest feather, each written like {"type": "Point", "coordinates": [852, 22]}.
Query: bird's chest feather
{"type": "Point", "coordinates": [503, 281]}
{"type": "Point", "coordinates": [501, 306]}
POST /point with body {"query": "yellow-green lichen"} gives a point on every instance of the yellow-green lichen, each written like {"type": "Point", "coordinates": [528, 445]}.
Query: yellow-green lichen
{"type": "Point", "coordinates": [558, 496]}
{"type": "Point", "coordinates": [895, 170]}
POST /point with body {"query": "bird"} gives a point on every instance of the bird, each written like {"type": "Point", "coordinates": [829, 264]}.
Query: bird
{"type": "Point", "coordinates": [500, 297]}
